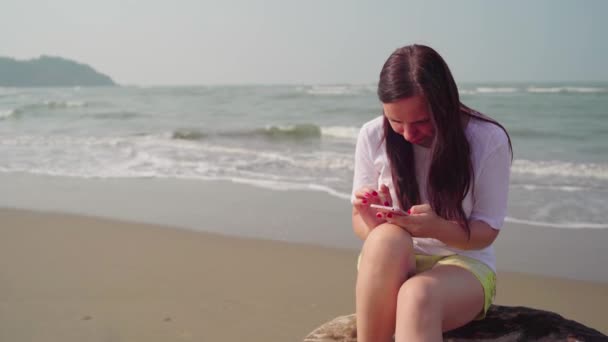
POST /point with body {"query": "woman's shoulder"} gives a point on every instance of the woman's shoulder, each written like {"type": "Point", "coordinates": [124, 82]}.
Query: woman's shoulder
{"type": "Point", "coordinates": [487, 134]}
{"type": "Point", "coordinates": [373, 130]}
{"type": "Point", "coordinates": [374, 124]}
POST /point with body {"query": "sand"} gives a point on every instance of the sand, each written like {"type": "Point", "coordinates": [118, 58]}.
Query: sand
{"type": "Point", "coordinates": [76, 278]}
{"type": "Point", "coordinates": [217, 261]}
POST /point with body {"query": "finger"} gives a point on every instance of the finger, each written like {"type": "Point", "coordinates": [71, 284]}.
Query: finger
{"type": "Point", "coordinates": [385, 195]}
{"type": "Point", "coordinates": [366, 193]}
{"type": "Point", "coordinates": [395, 219]}
{"type": "Point", "coordinates": [361, 192]}
{"type": "Point", "coordinates": [419, 209]}
{"type": "Point", "coordinates": [411, 220]}
{"type": "Point", "coordinates": [389, 217]}
{"type": "Point", "coordinates": [361, 202]}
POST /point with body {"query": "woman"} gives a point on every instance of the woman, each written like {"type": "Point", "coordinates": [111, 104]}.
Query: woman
{"type": "Point", "coordinates": [448, 166]}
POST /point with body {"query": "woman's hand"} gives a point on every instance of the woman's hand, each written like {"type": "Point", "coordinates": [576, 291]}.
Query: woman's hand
{"type": "Point", "coordinates": [366, 196]}
{"type": "Point", "coordinates": [422, 221]}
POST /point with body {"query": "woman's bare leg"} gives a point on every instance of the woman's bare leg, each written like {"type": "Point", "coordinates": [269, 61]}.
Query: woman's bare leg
{"type": "Point", "coordinates": [438, 300]}
{"type": "Point", "coordinates": [387, 259]}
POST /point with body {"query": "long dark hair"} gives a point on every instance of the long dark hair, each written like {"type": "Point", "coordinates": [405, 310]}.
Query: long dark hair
{"type": "Point", "coordinates": [419, 70]}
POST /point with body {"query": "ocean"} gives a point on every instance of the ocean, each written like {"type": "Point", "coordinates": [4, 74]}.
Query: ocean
{"type": "Point", "coordinates": [301, 137]}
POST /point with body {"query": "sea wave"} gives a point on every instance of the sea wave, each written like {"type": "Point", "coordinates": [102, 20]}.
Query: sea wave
{"type": "Point", "coordinates": [540, 133]}
{"type": "Point", "coordinates": [51, 105]}
{"type": "Point", "coordinates": [291, 131]}
{"type": "Point", "coordinates": [7, 91]}
{"type": "Point", "coordinates": [288, 132]}
{"type": "Point", "coordinates": [284, 185]}
{"type": "Point", "coordinates": [561, 169]}
{"type": "Point", "coordinates": [466, 92]}
{"type": "Point", "coordinates": [338, 90]}
{"type": "Point", "coordinates": [488, 90]}
{"type": "Point", "coordinates": [119, 115]}
{"type": "Point", "coordinates": [177, 154]}
{"type": "Point", "coordinates": [533, 90]}
{"type": "Point", "coordinates": [162, 156]}
{"type": "Point", "coordinates": [566, 89]}
{"type": "Point", "coordinates": [564, 188]}
{"type": "Point", "coordinates": [344, 132]}
{"type": "Point", "coordinates": [10, 114]}
{"type": "Point", "coordinates": [309, 131]}
{"type": "Point", "coordinates": [187, 134]}
{"type": "Point", "coordinates": [496, 90]}
{"type": "Point", "coordinates": [566, 225]}
{"type": "Point", "coordinates": [62, 104]}
{"type": "Point", "coordinates": [158, 157]}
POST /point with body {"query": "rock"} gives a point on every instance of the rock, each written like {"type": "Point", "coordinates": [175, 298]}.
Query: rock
{"type": "Point", "coordinates": [502, 323]}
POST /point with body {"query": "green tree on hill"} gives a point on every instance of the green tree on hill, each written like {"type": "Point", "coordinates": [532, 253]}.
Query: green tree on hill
{"type": "Point", "coordinates": [48, 71]}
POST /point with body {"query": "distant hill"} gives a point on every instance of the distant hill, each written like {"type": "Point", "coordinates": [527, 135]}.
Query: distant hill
{"type": "Point", "coordinates": [48, 71]}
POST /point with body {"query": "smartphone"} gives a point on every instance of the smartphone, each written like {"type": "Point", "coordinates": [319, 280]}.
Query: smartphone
{"type": "Point", "coordinates": [385, 209]}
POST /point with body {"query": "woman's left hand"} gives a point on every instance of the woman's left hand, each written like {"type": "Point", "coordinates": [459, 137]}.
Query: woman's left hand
{"type": "Point", "coordinates": [422, 221]}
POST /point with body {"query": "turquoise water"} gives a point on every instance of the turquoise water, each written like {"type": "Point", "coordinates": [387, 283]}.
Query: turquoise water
{"type": "Point", "coordinates": [301, 137]}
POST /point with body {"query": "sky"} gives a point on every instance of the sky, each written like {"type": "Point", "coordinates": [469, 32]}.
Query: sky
{"type": "Point", "coordinates": [183, 42]}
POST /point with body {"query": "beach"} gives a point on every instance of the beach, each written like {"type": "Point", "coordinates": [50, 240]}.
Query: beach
{"type": "Point", "coordinates": [170, 260]}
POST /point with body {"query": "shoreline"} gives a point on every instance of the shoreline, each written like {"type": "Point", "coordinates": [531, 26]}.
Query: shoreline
{"type": "Point", "coordinates": [308, 217]}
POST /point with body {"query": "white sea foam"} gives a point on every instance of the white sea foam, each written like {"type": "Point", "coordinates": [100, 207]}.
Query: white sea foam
{"type": "Point", "coordinates": [284, 186]}
{"type": "Point", "coordinates": [332, 90]}
{"type": "Point", "coordinates": [159, 157]}
{"type": "Point", "coordinates": [467, 92]}
{"type": "Point", "coordinates": [488, 90]}
{"type": "Point", "coordinates": [566, 225]}
{"type": "Point", "coordinates": [340, 132]}
{"type": "Point", "coordinates": [533, 89]}
{"type": "Point", "coordinates": [566, 89]}
{"type": "Point", "coordinates": [6, 114]}
{"type": "Point", "coordinates": [156, 155]}
{"type": "Point", "coordinates": [496, 90]}
{"type": "Point", "coordinates": [565, 188]}
{"type": "Point", "coordinates": [47, 147]}
{"type": "Point", "coordinates": [65, 104]}
{"type": "Point", "coordinates": [8, 91]}
{"type": "Point", "coordinates": [561, 169]}
{"type": "Point", "coordinates": [324, 161]}
{"type": "Point", "coordinates": [247, 152]}
{"type": "Point", "coordinates": [274, 177]}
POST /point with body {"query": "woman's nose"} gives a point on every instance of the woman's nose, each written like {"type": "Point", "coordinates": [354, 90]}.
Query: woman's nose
{"type": "Point", "coordinates": [408, 132]}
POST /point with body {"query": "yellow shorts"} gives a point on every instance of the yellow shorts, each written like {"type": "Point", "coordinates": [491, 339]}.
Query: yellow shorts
{"type": "Point", "coordinates": [481, 271]}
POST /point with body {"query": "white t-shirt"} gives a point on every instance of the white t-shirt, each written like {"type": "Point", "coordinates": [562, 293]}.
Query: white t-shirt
{"type": "Point", "coordinates": [491, 161]}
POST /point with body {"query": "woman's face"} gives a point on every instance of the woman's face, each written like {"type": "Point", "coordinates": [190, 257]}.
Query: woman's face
{"type": "Point", "coordinates": [411, 118]}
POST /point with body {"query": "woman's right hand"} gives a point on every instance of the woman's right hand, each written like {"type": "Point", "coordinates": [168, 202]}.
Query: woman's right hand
{"type": "Point", "coordinates": [366, 196]}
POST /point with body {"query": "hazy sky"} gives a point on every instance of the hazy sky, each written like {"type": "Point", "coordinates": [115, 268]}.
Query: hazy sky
{"type": "Point", "coordinates": [310, 41]}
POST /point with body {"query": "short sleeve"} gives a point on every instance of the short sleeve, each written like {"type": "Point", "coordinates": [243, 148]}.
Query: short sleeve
{"type": "Point", "coordinates": [364, 171]}
{"type": "Point", "coordinates": [492, 186]}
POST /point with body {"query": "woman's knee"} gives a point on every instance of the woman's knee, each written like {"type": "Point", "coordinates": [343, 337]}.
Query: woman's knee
{"type": "Point", "coordinates": [417, 295]}
{"type": "Point", "coordinates": [388, 241]}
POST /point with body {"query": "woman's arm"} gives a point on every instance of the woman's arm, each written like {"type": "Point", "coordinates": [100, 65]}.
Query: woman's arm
{"type": "Point", "coordinates": [423, 222]}
{"type": "Point", "coordinates": [454, 235]}
{"type": "Point", "coordinates": [490, 200]}
{"type": "Point", "coordinates": [365, 192]}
